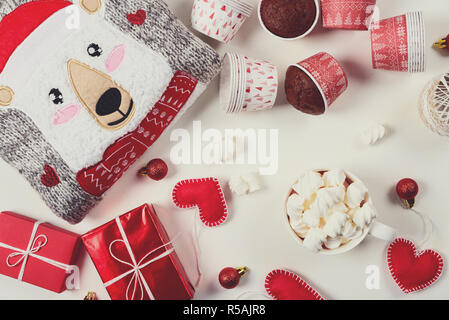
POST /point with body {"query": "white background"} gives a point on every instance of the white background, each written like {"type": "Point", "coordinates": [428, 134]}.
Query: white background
{"type": "Point", "coordinates": [255, 234]}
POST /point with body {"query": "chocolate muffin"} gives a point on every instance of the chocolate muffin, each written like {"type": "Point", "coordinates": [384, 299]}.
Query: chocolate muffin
{"type": "Point", "coordinates": [302, 92]}
{"type": "Point", "coordinates": [288, 18]}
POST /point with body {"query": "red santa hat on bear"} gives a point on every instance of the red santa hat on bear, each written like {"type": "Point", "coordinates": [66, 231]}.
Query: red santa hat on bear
{"type": "Point", "coordinates": [18, 25]}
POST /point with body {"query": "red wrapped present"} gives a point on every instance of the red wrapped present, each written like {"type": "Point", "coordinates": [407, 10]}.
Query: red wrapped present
{"type": "Point", "coordinates": [36, 252]}
{"type": "Point", "coordinates": [136, 259]}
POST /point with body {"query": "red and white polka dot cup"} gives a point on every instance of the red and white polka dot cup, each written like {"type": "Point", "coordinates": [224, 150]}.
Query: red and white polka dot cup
{"type": "Point", "coordinates": [247, 84]}
{"type": "Point", "coordinates": [347, 14]}
{"type": "Point", "coordinates": [220, 19]}
{"type": "Point", "coordinates": [327, 74]}
{"type": "Point", "coordinates": [399, 43]}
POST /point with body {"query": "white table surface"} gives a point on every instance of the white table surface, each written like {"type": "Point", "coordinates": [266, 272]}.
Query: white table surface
{"type": "Point", "coordinates": [255, 234]}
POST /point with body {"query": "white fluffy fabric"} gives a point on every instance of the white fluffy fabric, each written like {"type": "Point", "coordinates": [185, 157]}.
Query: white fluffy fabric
{"type": "Point", "coordinates": [81, 142]}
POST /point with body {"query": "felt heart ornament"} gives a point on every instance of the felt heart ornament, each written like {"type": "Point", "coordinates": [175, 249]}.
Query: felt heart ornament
{"type": "Point", "coordinates": [137, 18]}
{"type": "Point", "coordinates": [50, 178]}
{"type": "Point", "coordinates": [286, 285]}
{"type": "Point", "coordinates": [207, 195]}
{"type": "Point", "coordinates": [412, 270]}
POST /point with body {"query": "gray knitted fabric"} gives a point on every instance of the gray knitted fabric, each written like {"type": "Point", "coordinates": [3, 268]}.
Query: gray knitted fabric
{"type": "Point", "coordinates": [165, 34]}
{"type": "Point", "coordinates": [23, 146]}
{"type": "Point", "coordinates": [6, 6]}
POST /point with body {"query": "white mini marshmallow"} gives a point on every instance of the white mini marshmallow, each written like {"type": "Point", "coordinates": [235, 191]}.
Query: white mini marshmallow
{"type": "Point", "coordinates": [295, 206]}
{"type": "Point", "coordinates": [356, 193]}
{"type": "Point", "coordinates": [333, 243]}
{"type": "Point", "coordinates": [334, 178]}
{"type": "Point", "coordinates": [335, 224]}
{"type": "Point", "coordinates": [314, 239]}
{"type": "Point", "coordinates": [245, 184]}
{"type": "Point", "coordinates": [365, 215]}
{"type": "Point", "coordinates": [351, 231]}
{"type": "Point", "coordinates": [311, 217]}
{"type": "Point", "coordinates": [308, 183]}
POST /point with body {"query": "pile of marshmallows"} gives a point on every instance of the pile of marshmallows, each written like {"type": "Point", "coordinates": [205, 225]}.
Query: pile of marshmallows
{"type": "Point", "coordinates": [329, 209]}
{"type": "Point", "coordinates": [248, 84]}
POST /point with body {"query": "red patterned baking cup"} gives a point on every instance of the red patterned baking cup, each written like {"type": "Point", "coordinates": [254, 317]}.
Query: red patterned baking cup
{"type": "Point", "coordinates": [347, 14]}
{"type": "Point", "coordinates": [317, 5]}
{"type": "Point", "coordinates": [327, 74]}
{"type": "Point", "coordinates": [398, 43]}
{"type": "Point", "coordinates": [261, 85]}
{"type": "Point", "coordinates": [219, 19]}
{"type": "Point", "coordinates": [247, 84]}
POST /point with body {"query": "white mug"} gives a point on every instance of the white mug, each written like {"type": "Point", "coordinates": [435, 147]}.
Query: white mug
{"type": "Point", "coordinates": [376, 229]}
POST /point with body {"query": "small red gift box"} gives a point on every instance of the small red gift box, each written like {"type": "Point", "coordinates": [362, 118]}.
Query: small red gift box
{"type": "Point", "coordinates": [136, 260]}
{"type": "Point", "coordinates": [36, 252]}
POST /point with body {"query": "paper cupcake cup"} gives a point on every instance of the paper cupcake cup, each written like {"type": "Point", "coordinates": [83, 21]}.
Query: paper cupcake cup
{"type": "Point", "coordinates": [399, 43]}
{"type": "Point", "coordinates": [347, 14]}
{"type": "Point", "coordinates": [230, 83]}
{"type": "Point", "coordinates": [327, 74]}
{"type": "Point", "coordinates": [219, 19]}
{"type": "Point", "coordinates": [317, 5]}
{"type": "Point", "coordinates": [261, 85]}
{"type": "Point", "coordinates": [247, 84]}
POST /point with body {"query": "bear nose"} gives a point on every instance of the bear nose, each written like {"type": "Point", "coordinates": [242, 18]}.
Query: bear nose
{"type": "Point", "coordinates": [106, 101]}
{"type": "Point", "coordinates": [109, 102]}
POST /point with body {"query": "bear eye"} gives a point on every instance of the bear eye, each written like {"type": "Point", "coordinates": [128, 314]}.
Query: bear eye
{"type": "Point", "coordinates": [56, 96]}
{"type": "Point", "coordinates": [94, 50]}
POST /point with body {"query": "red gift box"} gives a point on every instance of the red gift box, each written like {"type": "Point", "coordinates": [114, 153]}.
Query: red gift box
{"type": "Point", "coordinates": [136, 260]}
{"type": "Point", "coordinates": [36, 252]}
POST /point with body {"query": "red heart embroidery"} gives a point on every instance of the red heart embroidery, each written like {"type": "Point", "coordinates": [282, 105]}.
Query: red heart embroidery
{"type": "Point", "coordinates": [137, 18]}
{"type": "Point", "coordinates": [286, 285]}
{"type": "Point", "coordinates": [207, 195]}
{"type": "Point", "coordinates": [50, 178]}
{"type": "Point", "coordinates": [412, 270]}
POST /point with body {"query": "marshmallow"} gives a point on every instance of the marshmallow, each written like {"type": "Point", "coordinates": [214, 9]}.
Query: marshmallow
{"type": "Point", "coordinates": [244, 184]}
{"type": "Point", "coordinates": [295, 206]}
{"type": "Point", "coordinates": [365, 215]}
{"type": "Point", "coordinates": [356, 193]}
{"type": "Point", "coordinates": [308, 183]}
{"type": "Point", "coordinates": [334, 178]}
{"type": "Point", "coordinates": [314, 239]}
{"type": "Point", "coordinates": [335, 223]}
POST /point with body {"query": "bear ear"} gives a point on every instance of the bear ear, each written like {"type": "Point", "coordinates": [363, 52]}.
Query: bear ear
{"type": "Point", "coordinates": [6, 96]}
{"type": "Point", "coordinates": [91, 6]}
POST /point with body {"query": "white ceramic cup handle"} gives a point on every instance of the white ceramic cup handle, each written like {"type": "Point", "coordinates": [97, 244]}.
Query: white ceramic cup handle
{"type": "Point", "coordinates": [382, 231]}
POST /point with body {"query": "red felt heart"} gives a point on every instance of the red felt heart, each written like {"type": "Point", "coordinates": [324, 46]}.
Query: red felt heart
{"type": "Point", "coordinates": [286, 285]}
{"type": "Point", "coordinates": [207, 195]}
{"type": "Point", "coordinates": [50, 178]}
{"type": "Point", "coordinates": [412, 270]}
{"type": "Point", "coordinates": [137, 18]}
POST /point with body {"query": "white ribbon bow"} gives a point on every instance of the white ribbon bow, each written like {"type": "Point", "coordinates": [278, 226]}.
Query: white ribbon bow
{"type": "Point", "coordinates": [34, 245]}
{"type": "Point", "coordinates": [137, 280]}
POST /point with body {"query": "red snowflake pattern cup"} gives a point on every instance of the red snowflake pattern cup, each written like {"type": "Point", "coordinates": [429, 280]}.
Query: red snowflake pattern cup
{"type": "Point", "coordinates": [399, 43]}
{"type": "Point", "coordinates": [327, 74]}
{"type": "Point", "coordinates": [220, 19]}
{"type": "Point", "coordinates": [347, 14]}
{"type": "Point", "coordinates": [247, 84]}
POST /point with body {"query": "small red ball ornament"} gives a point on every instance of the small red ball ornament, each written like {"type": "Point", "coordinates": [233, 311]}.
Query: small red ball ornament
{"type": "Point", "coordinates": [407, 189]}
{"type": "Point", "coordinates": [230, 277]}
{"type": "Point", "coordinates": [156, 169]}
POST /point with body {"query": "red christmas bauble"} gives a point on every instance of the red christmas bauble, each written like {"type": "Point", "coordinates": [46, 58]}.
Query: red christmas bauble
{"type": "Point", "coordinates": [230, 277]}
{"type": "Point", "coordinates": [156, 169]}
{"type": "Point", "coordinates": [407, 189]}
